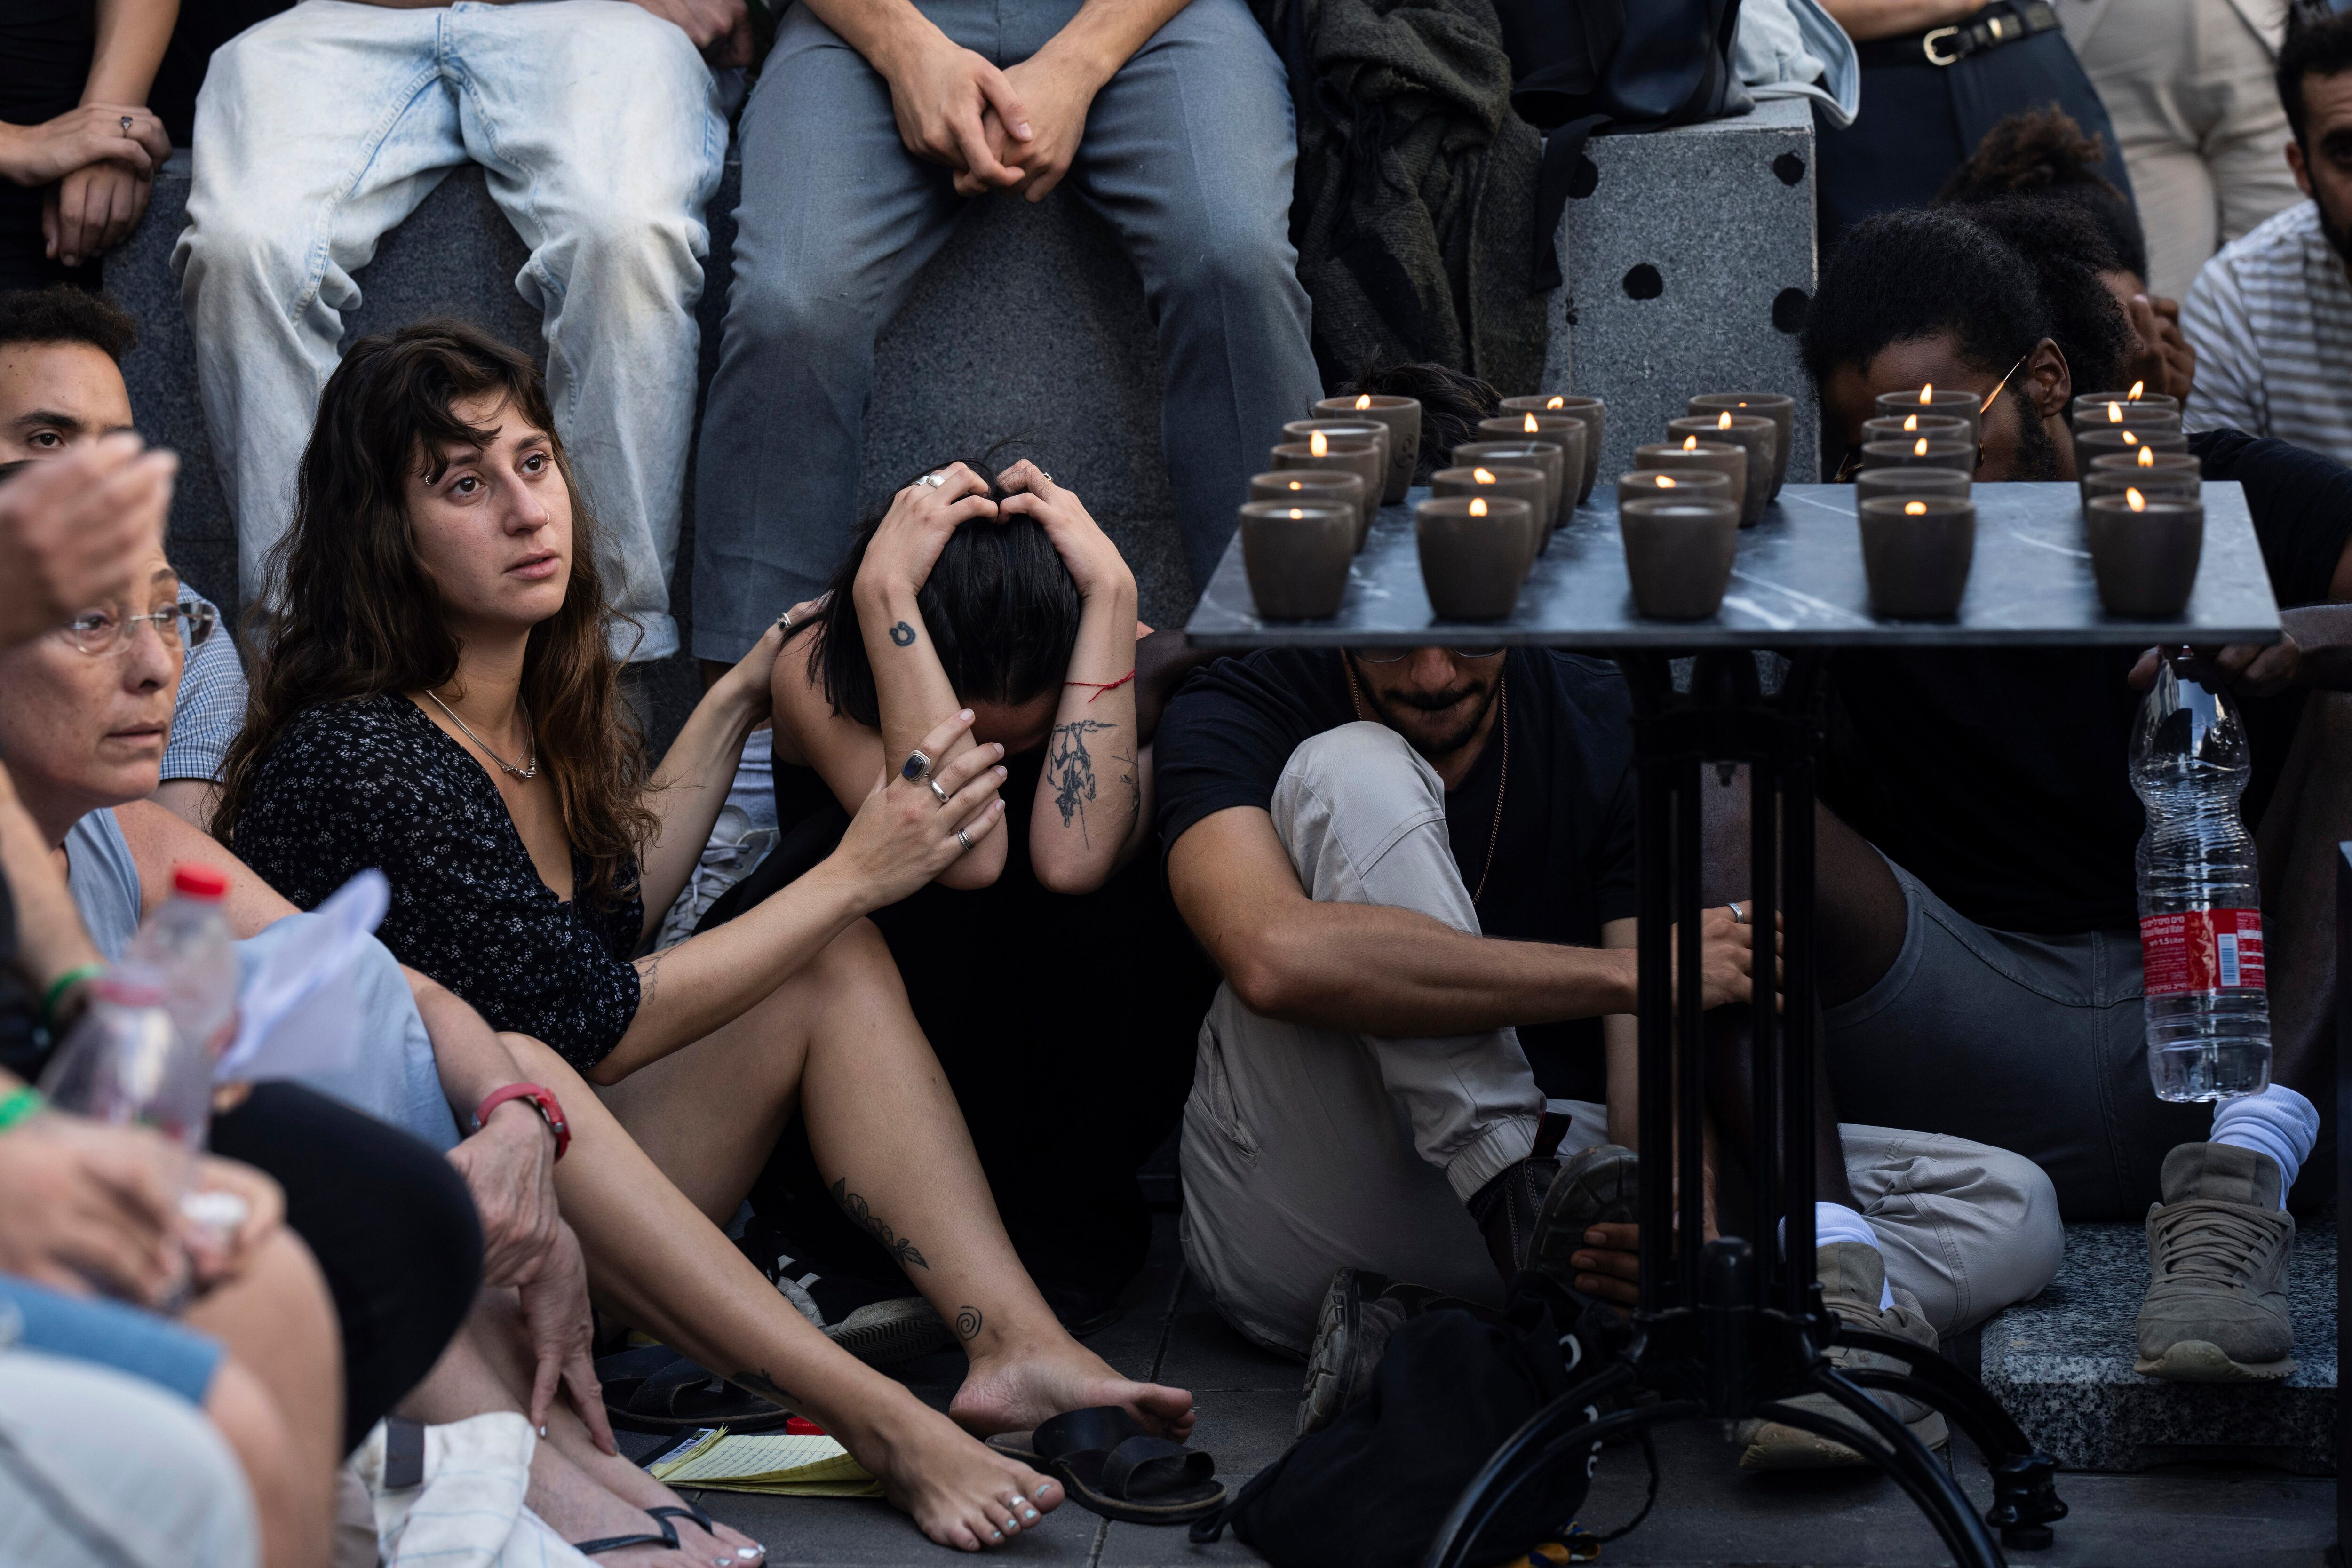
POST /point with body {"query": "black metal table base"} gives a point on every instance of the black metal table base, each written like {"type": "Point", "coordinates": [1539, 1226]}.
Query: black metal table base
{"type": "Point", "coordinates": [1733, 1331]}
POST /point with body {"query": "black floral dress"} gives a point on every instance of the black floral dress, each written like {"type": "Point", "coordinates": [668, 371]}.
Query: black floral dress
{"type": "Point", "coordinates": [374, 783]}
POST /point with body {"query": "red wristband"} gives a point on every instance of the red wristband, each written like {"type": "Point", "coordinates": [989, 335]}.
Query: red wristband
{"type": "Point", "coordinates": [541, 1100]}
{"type": "Point", "coordinates": [1102, 686]}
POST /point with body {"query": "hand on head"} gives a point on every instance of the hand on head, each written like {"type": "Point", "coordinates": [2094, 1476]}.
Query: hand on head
{"type": "Point", "coordinates": [1093, 561]}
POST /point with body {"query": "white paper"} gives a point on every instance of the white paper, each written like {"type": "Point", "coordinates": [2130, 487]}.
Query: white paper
{"type": "Point", "coordinates": [297, 1013]}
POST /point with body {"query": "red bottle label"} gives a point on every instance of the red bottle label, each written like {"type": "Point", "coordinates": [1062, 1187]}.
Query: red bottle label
{"type": "Point", "coordinates": [2203, 949]}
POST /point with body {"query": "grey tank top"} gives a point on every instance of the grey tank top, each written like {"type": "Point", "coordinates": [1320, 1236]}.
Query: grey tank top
{"type": "Point", "coordinates": [105, 882]}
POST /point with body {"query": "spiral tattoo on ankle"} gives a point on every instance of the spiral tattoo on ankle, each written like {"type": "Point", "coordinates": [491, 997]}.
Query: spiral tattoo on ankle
{"type": "Point", "coordinates": [967, 1323]}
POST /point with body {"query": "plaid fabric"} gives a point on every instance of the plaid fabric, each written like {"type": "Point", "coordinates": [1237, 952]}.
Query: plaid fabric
{"type": "Point", "coordinates": [211, 705]}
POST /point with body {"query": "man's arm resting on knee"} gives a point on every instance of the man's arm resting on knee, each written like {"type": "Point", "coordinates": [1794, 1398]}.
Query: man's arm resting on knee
{"type": "Point", "coordinates": [1367, 968]}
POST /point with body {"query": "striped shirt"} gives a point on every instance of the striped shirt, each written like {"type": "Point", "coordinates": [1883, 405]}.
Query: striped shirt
{"type": "Point", "coordinates": [210, 709]}
{"type": "Point", "coordinates": [2271, 320]}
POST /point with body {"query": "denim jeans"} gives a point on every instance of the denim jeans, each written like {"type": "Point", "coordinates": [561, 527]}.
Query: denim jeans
{"type": "Point", "coordinates": [1187, 153]}
{"type": "Point", "coordinates": [600, 129]}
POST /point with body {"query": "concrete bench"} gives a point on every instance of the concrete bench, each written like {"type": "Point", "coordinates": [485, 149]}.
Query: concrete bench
{"type": "Point", "coordinates": [2061, 1364]}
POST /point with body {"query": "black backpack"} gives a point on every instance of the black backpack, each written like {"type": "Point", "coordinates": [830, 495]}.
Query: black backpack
{"type": "Point", "coordinates": [1369, 1489]}
{"type": "Point", "coordinates": [1579, 66]}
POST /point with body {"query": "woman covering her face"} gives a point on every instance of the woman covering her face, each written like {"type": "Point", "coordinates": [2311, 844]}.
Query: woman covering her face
{"type": "Point", "coordinates": [434, 697]}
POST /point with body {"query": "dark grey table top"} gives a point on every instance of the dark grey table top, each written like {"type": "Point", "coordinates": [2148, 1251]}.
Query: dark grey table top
{"type": "Point", "coordinates": [1797, 582]}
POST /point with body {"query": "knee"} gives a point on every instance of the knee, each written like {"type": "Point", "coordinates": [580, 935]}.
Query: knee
{"type": "Point", "coordinates": [2036, 1234]}
{"type": "Point", "coordinates": [799, 316]}
{"type": "Point", "coordinates": [1250, 260]}
{"type": "Point", "coordinates": [234, 245]}
{"type": "Point", "coordinates": [1356, 770]}
{"type": "Point", "coordinates": [857, 967]}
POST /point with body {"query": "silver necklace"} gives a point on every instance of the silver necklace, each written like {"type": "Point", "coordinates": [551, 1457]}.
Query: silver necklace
{"type": "Point", "coordinates": [531, 772]}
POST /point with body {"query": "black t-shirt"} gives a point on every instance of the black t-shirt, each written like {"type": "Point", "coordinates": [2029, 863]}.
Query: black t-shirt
{"type": "Point", "coordinates": [1563, 855]}
{"type": "Point", "coordinates": [2002, 779]}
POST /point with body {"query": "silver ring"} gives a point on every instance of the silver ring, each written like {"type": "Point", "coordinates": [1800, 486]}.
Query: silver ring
{"type": "Point", "coordinates": [1045, 475]}
{"type": "Point", "coordinates": [937, 790]}
{"type": "Point", "coordinates": [963, 838]}
{"type": "Point", "coordinates": [785, 620]}
{"type": "Point", "coordinates": [916, 768]}
{"type": "Point", "coordinates": [1736, 918]}
{"type": "Point", "coordinates": [935, 479]}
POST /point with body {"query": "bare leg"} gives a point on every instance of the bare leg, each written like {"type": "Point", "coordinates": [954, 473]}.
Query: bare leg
{"type": "Point", "coordinates": [281, 1396]}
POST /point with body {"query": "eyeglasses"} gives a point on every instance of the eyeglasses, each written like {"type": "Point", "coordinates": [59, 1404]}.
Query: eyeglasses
{"type": "Point", "coordinates": [102, 632]}
{"type": "Point", "coordinates": [1391, 656]}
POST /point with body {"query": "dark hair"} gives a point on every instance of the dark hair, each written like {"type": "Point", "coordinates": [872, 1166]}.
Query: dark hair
{"type": "Point", "coordinates": [2044, 152]}
{"type": "Point", "coordinates": [2068, 254]}
{"type": "Point", "coordinates": [1903, 276]}
{"type": "Point", "coordinates": [350, 613]}
{"type": "Point", "coordinates": [1452, 403]}
{"type": "Point", "coordinates": [62, 313]}
{"type": "Point", "coordinates": [2315, 46]}
{"type": "Point", "coordinates": [999, 604]}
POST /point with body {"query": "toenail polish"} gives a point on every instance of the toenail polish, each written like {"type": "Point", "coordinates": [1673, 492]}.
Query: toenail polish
{"type": "Point", "coordinates": [542, 1431]}
{"type": "Point", "coordinates": [1030, 1514]}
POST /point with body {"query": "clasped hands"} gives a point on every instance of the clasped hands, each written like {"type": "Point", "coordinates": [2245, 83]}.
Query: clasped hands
{"type": "Point", "coordinates": [1015, 129]}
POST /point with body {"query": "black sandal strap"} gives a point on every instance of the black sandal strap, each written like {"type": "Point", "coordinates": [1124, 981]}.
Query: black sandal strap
{"type": "Point", "coordinates": [1101, 1426]}
{"type": "Point", "coordinates": [1143, 1467]}
{"type": "Point", "coordinates": [686, 1510]}
{"type": "Point", "coordinates": [668, 1537]}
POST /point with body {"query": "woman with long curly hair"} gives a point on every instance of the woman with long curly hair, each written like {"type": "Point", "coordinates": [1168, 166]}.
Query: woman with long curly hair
{"type": "Point", "coordinates": [432, 696]}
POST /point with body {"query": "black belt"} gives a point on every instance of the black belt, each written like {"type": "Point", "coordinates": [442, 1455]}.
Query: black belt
{"type": "Point", "coordinates": [2004, 23]}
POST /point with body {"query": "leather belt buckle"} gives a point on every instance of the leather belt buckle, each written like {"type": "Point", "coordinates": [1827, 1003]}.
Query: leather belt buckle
{"type": "Point", "coordinates": [1935, 36]}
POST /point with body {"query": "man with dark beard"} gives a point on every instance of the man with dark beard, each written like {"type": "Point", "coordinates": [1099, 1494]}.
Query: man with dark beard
{"type": "Point", "coordinates": [2271, 315]}
{"type": "Point", "coordinates": [1415, 868]}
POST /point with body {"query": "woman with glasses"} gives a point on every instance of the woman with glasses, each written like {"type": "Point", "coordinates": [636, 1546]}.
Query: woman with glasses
{"type": "Point", "coordinates": [1047, 967]}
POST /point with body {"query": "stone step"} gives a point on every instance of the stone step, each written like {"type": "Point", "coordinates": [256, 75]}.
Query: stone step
{"type": "Point", "coordinates": [2061, 1364]}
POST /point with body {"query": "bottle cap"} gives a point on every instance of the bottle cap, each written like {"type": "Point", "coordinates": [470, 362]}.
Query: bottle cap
{"type": "Point", "coordinates": [199, 881]}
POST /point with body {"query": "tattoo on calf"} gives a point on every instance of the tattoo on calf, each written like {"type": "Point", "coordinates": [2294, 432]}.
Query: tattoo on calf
{"type": "Point", "coordinates": [766, 1387]}
{"type": "Point", "coordinates": [867, 1220]}
{"type": "Point", "coordinates": [1070, 769]}
{"type": "Point", "coordinates": [903, 634]}
{"type": "Point", "coordinates": [967, 1322]}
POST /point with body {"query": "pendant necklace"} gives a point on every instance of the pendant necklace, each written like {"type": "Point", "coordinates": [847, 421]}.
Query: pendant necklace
{"type": "Point", "coordinates": [531, 771]}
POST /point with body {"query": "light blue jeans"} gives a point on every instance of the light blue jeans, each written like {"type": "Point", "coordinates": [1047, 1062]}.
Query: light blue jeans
{"type": "Point", "coordinates": [1187, 154]}
{"type": "Point", "coordinates": [601, 132]}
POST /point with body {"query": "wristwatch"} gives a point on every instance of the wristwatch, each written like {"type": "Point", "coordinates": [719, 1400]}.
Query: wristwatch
{"type": "Point", "coordinates": [541, 1099]}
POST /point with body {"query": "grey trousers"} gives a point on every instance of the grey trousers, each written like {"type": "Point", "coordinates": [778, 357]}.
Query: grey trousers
{"type": "Point", "coordinates": [1305, 1149]}
{"type": "Point", "coordinates": [1187, 153]}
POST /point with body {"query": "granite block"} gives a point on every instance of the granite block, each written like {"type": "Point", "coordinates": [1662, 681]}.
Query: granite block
{"type": "Point", "coordinates": [1689, 268]}
{"type": "Point", "coordinates": [2061, 1364]}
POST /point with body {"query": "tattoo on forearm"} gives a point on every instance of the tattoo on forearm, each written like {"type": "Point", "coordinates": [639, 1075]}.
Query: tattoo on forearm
{"type": "Point", "coordinates": [1125, 759]}
{"type": "Point", "coordinates": [649, 976]}
{"type": "Point", "coordinates": [1070, 769]}
{"type": "Point", "coordinates": [766, 1387]}
{"type": "Point", "coordinates": [903, 634]}
{"type": "Point", "coordinates": [967, 1322]}
{"type": "Point", "coordinates": [867, 1220]}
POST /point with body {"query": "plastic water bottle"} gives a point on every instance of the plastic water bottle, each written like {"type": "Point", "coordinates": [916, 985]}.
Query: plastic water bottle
{"type": "Point", "coordinates": [126, 1062]}
{"type": "Point", "coordinates": [2200, 926]}
{"type": "Point", "coordinates": [186, 949]}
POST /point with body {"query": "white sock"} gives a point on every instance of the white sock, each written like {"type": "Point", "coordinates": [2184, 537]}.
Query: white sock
{"type": "Point", "coordinates": [1835, 1223]}
{"type": "Point", "coordinates": [2277, 1121]}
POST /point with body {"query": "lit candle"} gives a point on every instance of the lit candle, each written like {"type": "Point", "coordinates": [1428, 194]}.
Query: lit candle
{"type": "Point", "coordinates": [1350, 429]}
{"type": "Point", "coordinates": [1679, 546]}
{"type": "Point", "coordinates": [1674, 484]}
{"type": "Point", "coordinates": [1923, 451]}
{"type": "Point", "coordinates": [2134, 405]}
{"type": "Point", "coordinates": [2176, 474]}
{"type": "Point", "coordinates": [1544, 458]}
{"type": "Point", "coordinates": [1590, 410]}
{"type": "Point", "coordinates": [1911, 427]}
{"type": "Point", "coordinates": [1752, 433]}
{"type": "Point", "coordinates": [1707, 456]}
{"type": "Point", "coordinates": [1916, 551]}
{"type": "Point", "coordinates": [2144, 550]}
{"type": "Point", "coordinates": [1297, 486]}
{"type": "Point", "coordinates": [1296, 556]}
{"type": "Point", "coordinates": [1528, 484]}
{"type": "Point", "coordinates": [1362, 458]}
{"type": "Point", "coordinates": [1475, 553]}
{"type": "Point", "coordinates": [1956, 402]}
{"type": "Point", "coordinates": [1909, 482]}
{"type": "Point", "coordinates": [1559, 430]}
{"type": "Point", "coordinates": [1400, 416]}
{"type": "Point", "coordinates": [1778, 406]}
{"type": "Point", "coordinates": [2093, 441]}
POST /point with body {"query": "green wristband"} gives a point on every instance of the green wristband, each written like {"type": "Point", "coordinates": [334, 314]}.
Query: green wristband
{"type": "Point", "coordinates": [17, 1104]}
{"type": "Point", "coordinates": [63, 983]}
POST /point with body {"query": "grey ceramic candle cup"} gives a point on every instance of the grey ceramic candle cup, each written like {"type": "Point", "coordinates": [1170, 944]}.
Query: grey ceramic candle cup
{"type": "Point", "coordinates": [1751, 432]}
{"type": "Point", "coordinates": [1919, 452]}
{"type": "Point", "coordinates": [1525, 484]}
{"type": "Point", "coordinates": [1778, 406]}
{"type": "Point", "coordinates": [1542, 456]}
{"type": "Point", "coordinates": [1472, 566]}
{"type": "Point", "coordinates": [2092, 445]}
{"type": "Point", "coordinates": [1370, 430]}
{"type": "Point", "coordinates": [1917, 561]}
{"type": "Point", "coordinates": [1678, 553]}
{"type": "Point", "coordinates": [1402, 416]}
{"type": "Point", "coordinates": [2146, 562]}
{"type": "Point", "coordinates": [1591, 410]}
{"type": "Point", "coordinates": [2096, 402]}
{"type": "Point", "coordinates": [2134, 416]}
{"type": "Point", "coordinates": [1711, 458]}
{"type": "Point", "coordinates": [1956, 402]}
{"type": "Point", "coordinates": [1907, 482]}
{"type": "Point", "coordinates": [1566, 434]}
{"type": "Point", "coordinates": [1911, 427]}
{"type": "Point", "coordinates": [1296, 487]}
{"type": "Point", "coordinates": [1675, 484]}
{"type": "Point", "coordinates": [1296, 556]}
{"type": "Point", "coordinates": [2174, 473]}
{"type": "Point", "coordinates": [1361, 458]}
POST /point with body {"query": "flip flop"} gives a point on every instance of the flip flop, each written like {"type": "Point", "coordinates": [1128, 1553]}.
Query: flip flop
{"type": "Point", "coordinates": [1111, 1467]}
{"type": "Point", "coordinates": [654, 1389]}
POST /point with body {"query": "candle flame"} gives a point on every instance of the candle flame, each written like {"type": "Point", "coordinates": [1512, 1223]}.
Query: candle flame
{"type": "Point", "coordinates": [1478, 506]}
{"type": "Point", "coordinates": [1911, 422]}
{"type": "Point", "coordinates": [1363, 400]}
{"type": "Point", "coordinates": [2114, 412]}
{"type": "Point", "coordinates": [1690, 443]}
{"type": "Point", "coordinates": [1666, 482]}
{"type": "Point", "coordinates": [1297, 485]}
{"type": "Point", "coordinates": [2130, 439]}
{"type": "Point", "coordinates": [2138, 501]}
{"type": "Point", "coordinates": [1530, 426]}
{"type": "Point", "coordinates": [1482, 476]}
{"type": "Point", "coordinates": [1915, 509]}
{"type": "Point", "coordinates": [1557, 403]}
{"type": "Point", "coordinates": [2136, 387]}
{"type": "Point", "coordinates": [1317, 445]}
{"type": "Point", "coordinates": [1927, 393]}
{"type": "Point", "coordinates": [1919, 447]}
{"type": "Point", "coordinates": [1296, 514]}
{"type": "Point", "coordinates": [2147, 457]}
{"type": "Point", "coordinates": [1724, 423]}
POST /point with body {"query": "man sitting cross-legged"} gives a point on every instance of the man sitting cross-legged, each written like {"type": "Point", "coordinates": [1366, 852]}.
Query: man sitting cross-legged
{"type": "Point", "coordinates": [1415, 871]}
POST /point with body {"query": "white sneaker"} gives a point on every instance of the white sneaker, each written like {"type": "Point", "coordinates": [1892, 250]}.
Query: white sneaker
{"type": "Point", "coordinates": [734, 849]}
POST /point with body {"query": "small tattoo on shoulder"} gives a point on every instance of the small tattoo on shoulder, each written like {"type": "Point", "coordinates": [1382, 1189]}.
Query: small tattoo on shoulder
{"type": "Point", "coordinates": [903, 634]}
{"type": "Point", "coordinates": [967, 1322]}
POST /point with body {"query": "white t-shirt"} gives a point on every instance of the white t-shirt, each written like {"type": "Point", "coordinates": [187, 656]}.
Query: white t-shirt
{"type": "Point", "coordinates": [2271, 320]}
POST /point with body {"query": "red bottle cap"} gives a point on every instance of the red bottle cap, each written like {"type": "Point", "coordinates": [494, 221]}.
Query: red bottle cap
{"type": "Point", "coordinates": [199, 882]}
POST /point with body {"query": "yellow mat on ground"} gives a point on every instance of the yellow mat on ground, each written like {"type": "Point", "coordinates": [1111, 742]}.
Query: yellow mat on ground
{"type": "Point", "coordinates": [775, 1463]}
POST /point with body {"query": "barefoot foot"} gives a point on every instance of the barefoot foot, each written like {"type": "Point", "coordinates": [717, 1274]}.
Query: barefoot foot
{"type": "Point", "coordinates": [960, 1492]}
{"type": "Point", "coordinates": [1019, 1387]}
{"type": "Point", "coordinates": [577, 1508]}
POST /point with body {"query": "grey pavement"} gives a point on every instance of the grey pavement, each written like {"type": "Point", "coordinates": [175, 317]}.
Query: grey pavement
{"type": "Point", "coordinates": [1708, 1513]}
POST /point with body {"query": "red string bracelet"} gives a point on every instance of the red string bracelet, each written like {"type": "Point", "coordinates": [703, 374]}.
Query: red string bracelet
{"type": "Point", "coordinates": [1102, 686]}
